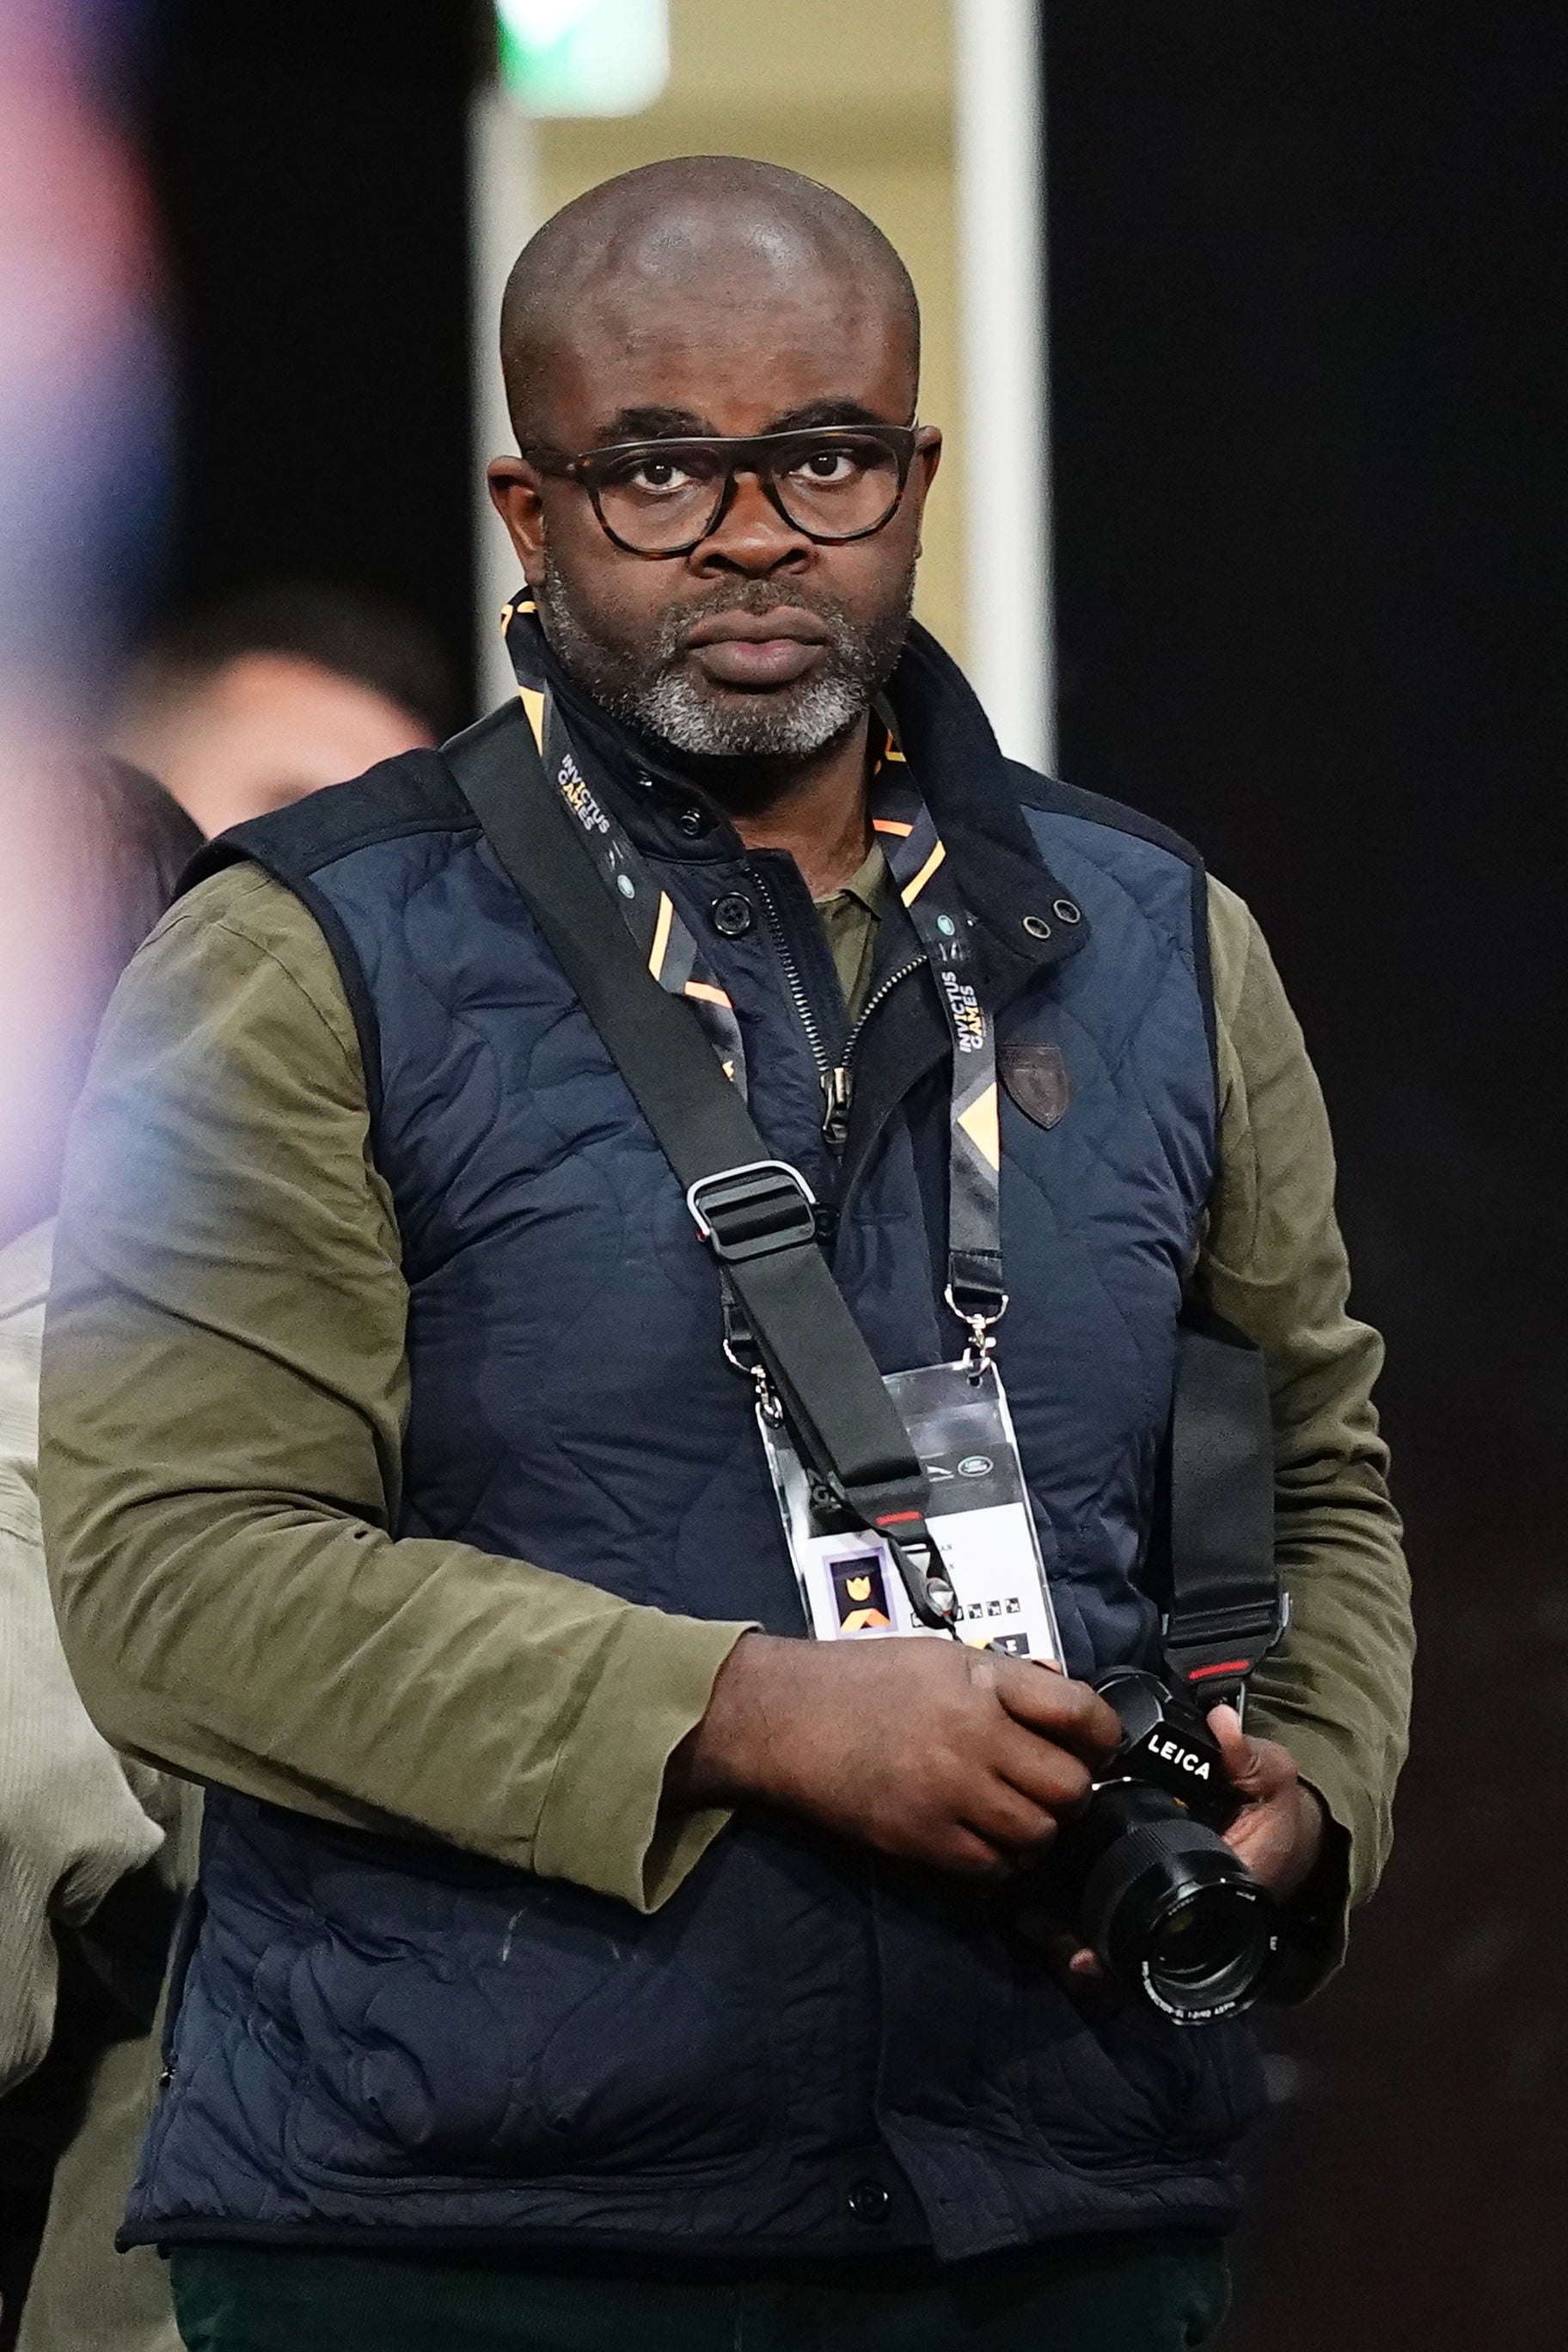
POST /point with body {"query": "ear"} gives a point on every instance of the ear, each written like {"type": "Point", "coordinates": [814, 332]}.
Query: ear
{"type": "Point", "coordinates": [514, 490]}
{"type": "Point", "coordinates": [928, 457]}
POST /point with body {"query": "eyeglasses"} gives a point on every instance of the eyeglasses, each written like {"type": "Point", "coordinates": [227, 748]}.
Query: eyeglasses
{"type": "Point", "coordinates": [831, 482]}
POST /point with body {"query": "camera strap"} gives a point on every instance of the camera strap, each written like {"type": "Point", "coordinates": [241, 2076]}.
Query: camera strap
{"type": "Point", "coordinates": [1225, 1604]}
{"type": "Point", "coordinates": [756, 1212]}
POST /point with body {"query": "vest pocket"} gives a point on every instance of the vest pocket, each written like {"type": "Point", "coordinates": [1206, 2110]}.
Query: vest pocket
{"type": "Point", "coordinates": [535, 2031]}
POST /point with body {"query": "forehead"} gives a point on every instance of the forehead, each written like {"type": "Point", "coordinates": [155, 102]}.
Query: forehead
{"type": "Point", "coordinates": [729, 352]}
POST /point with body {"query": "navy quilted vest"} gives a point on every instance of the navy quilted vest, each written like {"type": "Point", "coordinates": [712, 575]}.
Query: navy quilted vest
{"type": "Point", "coordinates": [805, 2050]}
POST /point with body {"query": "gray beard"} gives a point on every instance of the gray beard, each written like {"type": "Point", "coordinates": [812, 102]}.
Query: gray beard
{"type": "Point", "coordinates": [666, 702]}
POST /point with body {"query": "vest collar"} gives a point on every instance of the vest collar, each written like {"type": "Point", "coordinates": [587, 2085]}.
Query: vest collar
{"type": "Point", "coordinates": [1016, 900]}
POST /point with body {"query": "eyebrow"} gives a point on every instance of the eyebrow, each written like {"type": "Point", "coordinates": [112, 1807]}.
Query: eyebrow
{"type": "Point", "coordinates": [651, 425]}
{"type": "Point", "coordinates": [830, 412]}
{"type": "Point", "coordinates": [656, 424]}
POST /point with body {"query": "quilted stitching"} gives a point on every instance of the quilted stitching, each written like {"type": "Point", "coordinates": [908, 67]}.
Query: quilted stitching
{"type": "Point", "coordinates": [375, 2039]}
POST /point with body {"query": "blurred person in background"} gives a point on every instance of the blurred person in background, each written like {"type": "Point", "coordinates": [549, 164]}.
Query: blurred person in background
{"type": "Point", "coordinates": [83, 439]}
{"type": "Point", "coordinates": [273, 693]}
{"type": "Point", "coordinates": [94, 1850]}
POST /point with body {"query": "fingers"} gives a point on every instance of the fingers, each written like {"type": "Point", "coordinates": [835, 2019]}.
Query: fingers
{"type": "Point", "coordinates": [1267, 1839]}
{"type": "Point", "coordinates": [1070, 1713]}
{"type": "Point", "coordinates": [1280, 1839]}
{"type": "Point", "coordinates": [1257, 1769]}
{"type": "Point", "coordinates": [1009, 1820]}
{"type": "Point", "coordinates": [951, 1757]}
{"type": "Point", "coordinates": [965, 1852]}
{"type": "Point", "coordinates": [1280, 1829]}
{"type": "Point", "coordinates": [1060, 1944]}
{"type": "Point", "coordinates": [1233, 1743]}
{"type": "Point", "coordinates": [1048, 1775]}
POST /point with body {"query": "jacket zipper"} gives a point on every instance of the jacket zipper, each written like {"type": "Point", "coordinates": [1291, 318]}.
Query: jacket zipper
{"type": "Point", "coordinates": [879, 996]}
{"type": "Point", "coordinates": [840, 1086]}
{"type": "Point", "coordinates": [836, 1078]}
{"type": "Point", "coordinates": [793, 981]}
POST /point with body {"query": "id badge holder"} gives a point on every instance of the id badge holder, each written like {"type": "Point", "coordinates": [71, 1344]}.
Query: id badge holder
{"type": "Point", "coordinates": [979, 1517]}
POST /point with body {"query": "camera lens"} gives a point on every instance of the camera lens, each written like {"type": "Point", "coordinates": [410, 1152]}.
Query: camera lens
{"type": "Point", "coordinates": [1168, 1906]}
{"type": "Point", "coordinates": [1207, 1956]}
{"type": "Point", "coordinates": [1190, 1943]}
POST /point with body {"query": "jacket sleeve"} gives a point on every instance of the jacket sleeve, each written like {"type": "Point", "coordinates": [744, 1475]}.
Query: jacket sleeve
{"type": "Point", "coordinates": [1336, 1690]}
{"type": "Point", "coordinates": [224, 1395]}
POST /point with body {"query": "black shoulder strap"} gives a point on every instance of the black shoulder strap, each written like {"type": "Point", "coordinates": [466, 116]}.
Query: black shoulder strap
{"type": "Point", "coordinates": [1225, 1603]}
{"type": "Point", "coordinates": [756, 1212]}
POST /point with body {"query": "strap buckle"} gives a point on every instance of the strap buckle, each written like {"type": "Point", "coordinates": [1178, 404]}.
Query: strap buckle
{"type": "Point", "coordinates": [1214, 1651]}
{"type": "Point", "coordinates": [753, 1211]}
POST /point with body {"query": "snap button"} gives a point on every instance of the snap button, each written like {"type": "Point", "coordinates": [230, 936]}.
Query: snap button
{"type": "Point", "coordinates": [1066, 912]}
{"type": "Point", "coordinates": [1036, 927]}
{"type": "Point", "coordinates": [868, 2202]}
{"type": "Point", "coordinates": [692, 823]}
{"type": "Point", "coordinates": [733, 916]}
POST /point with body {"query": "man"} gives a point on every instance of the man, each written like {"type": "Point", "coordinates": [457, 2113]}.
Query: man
{"type": "Point", "coordinates": [584, 1951]}
{"type": "Point", "coordinates": [275, 692]}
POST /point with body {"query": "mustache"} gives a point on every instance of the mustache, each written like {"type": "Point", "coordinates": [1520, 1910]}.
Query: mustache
{"type": "Point", "coordinates": [755, 598]}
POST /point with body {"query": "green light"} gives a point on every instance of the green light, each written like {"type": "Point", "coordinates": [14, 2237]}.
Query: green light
{"type": "Point", "coordinates": [583, 56]}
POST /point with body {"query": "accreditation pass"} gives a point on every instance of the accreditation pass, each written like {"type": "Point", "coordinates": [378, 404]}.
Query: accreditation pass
{"type": "Point", "coordinates": [979, 1516]}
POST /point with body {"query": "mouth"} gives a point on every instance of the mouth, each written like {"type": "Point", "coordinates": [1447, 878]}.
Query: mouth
{"type": "Point", "coordinates": [757, 652]}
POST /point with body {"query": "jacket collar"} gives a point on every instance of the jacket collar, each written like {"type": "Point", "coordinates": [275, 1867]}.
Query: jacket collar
{"type": "Point", "coordinates": [1014, 898]}
{"type": "Point", "coordinates": [955, 761]}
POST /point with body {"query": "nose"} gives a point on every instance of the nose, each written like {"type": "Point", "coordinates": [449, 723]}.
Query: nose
{"type": "Point", "coordinates": [751, 537]}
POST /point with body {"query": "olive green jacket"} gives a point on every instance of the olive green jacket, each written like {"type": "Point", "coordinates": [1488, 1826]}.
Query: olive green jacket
{"type": "Point", "coordinates": [225, 1385]}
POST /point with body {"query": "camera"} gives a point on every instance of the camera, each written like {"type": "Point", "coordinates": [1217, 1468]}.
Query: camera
{"type": "Point", "coordinates": [1145, 1875]}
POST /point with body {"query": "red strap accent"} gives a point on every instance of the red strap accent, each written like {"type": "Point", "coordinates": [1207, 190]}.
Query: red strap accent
{"type": "Point", "coordinates": [895, 1518]}
{"type": "Point", "coordinates": [1225, 1666]}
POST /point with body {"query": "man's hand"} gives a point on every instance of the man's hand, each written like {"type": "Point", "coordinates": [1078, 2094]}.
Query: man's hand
{"type": "Point", "coordinates": [1278, 1834]}
{"type": "Point", "coordinates": [928, 1750]}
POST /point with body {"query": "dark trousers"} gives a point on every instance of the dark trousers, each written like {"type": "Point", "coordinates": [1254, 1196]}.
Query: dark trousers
{"type": "Point", "coordinates": [1163, 2292]}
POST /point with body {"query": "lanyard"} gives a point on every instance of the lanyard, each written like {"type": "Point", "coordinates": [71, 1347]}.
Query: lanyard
{"type": "Point", "coordinates": [916, 860]}
{"type": "Point", "coordinates": [650, 913]}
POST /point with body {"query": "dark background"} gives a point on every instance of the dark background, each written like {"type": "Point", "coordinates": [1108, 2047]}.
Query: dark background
{"type": "Point", "coordinates": [1308, 276]}
{"type": "Point", "coordinates": [309, 160]}
{"type": "Point", "coordinates": [1308, 293]}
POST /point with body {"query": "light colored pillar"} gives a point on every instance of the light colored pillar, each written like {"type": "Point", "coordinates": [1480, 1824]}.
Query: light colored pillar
{"type": "Point", "coordinates": [504, 209]}
{"type": "Point", "coordinates": [999, 158]}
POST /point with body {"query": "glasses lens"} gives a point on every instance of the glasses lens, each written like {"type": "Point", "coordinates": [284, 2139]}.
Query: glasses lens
{"type": "Point", "coordinates": [837, 486]}
{"type": "Point", "coordinates": [660, 497]}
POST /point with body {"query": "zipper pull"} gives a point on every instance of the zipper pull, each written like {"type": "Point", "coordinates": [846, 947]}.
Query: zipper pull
{"type": "Point", "coordinates": [836, 1090]}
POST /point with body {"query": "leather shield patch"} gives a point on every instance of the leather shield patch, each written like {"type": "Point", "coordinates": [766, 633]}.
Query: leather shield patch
{"type": "Point", "coordinates": [1037, 1078]}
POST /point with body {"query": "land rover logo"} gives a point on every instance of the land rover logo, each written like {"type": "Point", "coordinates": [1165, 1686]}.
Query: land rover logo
{"type": "Point", "coordinates": [974, 1465]}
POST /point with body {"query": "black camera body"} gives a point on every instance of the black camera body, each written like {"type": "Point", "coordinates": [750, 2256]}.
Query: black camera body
{"type": "Point", "coordinates": [1167, 1744]}
{"type": "Point", "coordinates": [1146, 1877]}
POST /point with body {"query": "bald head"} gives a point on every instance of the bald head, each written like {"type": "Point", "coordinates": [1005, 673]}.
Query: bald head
{"type": "Point", "coordinates": [650, 328]}
{"type": "Point", "coordinates": [684, 248]}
